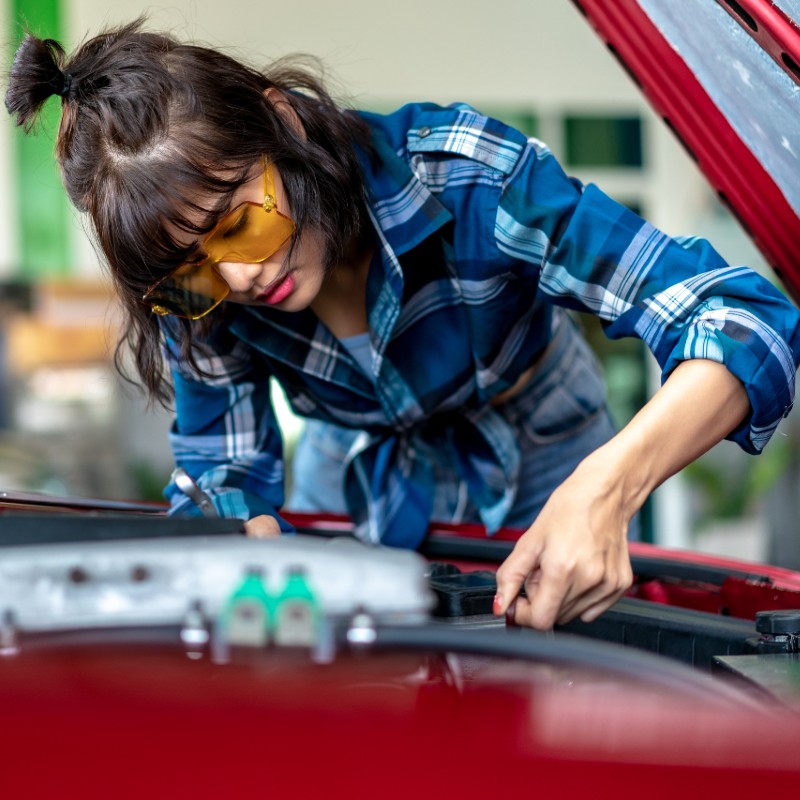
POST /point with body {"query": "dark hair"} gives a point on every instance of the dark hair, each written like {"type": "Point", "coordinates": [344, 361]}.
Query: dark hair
{"type": "Point", "coordinates": [150, 123]}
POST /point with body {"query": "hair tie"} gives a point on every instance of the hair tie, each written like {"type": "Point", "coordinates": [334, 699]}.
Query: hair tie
{"type": "Point", "coordinates": [66, 85]}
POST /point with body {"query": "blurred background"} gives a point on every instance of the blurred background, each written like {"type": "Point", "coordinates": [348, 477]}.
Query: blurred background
{"type": "Point", "coordinates": [69, 425]}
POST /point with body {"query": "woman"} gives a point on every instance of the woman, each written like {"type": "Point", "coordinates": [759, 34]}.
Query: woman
{"type": "Point", "coordinates": [405, 278]}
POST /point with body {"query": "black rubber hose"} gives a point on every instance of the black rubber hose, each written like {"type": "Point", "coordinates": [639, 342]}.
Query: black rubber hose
{"type": "Point", "coordinates": [532, 646]}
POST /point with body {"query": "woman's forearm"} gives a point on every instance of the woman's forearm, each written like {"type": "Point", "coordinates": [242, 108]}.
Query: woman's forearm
{"type": "Point", "coordinates": [698, 406]}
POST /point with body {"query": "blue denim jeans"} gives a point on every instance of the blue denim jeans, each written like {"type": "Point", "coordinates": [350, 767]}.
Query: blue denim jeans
{"type": "Point", "coordinates": [560, 415]}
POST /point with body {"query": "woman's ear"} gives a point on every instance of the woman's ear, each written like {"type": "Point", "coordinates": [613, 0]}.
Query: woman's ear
{"type": "Point", "coordinates": [285, 110]}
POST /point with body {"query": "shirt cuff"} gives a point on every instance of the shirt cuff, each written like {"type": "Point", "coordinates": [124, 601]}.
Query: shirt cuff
{"type": "Point", "coordinates": [229, 502]}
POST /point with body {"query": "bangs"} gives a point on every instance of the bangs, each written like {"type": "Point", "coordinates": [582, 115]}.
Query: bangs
{"type": "Point", "coordinates": [155, 215]}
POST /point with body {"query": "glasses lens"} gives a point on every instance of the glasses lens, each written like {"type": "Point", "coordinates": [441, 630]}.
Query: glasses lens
{"type": "Point", "coordinates": [249, 233]}
{"type": "Point", "coordinates": [191, 291]}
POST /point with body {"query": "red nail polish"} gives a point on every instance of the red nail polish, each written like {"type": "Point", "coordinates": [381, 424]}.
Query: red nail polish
{"type": "Point", "coordinates": [497, 605]}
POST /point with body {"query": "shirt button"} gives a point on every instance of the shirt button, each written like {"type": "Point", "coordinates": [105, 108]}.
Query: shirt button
{"type": "Point", "coordinates": [423, 132]}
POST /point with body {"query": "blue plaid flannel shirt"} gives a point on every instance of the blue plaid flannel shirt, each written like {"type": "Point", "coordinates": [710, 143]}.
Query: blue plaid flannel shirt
{"type": "Point", "coordinates": [479, 235]}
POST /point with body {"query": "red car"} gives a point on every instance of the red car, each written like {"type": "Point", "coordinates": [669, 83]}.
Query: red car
{"type": "Point", "coordinates": [131, 664]}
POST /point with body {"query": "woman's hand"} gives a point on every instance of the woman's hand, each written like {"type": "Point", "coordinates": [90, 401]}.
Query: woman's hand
{"type": "Point", "coordinates": [573, 560]}
{"type": "Point", "coordinates": [262, 527]}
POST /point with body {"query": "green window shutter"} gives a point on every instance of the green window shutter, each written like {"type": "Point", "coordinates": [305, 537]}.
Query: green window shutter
{"type": "Point", "coordinates": [40, 199]}
{"type": "Point", "coordinates": [598, 141]}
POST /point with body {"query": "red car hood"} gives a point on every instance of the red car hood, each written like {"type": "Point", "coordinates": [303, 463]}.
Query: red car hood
{"type": "Point", "coordinates": [725, 76]}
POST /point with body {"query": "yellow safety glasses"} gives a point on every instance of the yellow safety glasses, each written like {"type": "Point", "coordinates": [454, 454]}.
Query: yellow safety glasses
{"type": "Point", "coordinates": [248, 234]}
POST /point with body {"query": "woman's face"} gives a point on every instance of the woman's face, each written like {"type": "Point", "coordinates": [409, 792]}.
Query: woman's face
{"type": "Point", "coordinates": [286, 285]}
{"type": "Point", "coordinates": [246, 258]}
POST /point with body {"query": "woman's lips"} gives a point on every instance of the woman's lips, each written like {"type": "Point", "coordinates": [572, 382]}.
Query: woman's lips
{"type": "Point", "coordinates": [279, 292]}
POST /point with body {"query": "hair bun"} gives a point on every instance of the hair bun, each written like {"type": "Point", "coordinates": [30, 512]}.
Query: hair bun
{"type": "Point", "coordinates": [36, 74]}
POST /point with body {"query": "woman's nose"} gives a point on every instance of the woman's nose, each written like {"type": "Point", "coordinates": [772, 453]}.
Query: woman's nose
{"type": "Point", "coordinates": [240, 277]}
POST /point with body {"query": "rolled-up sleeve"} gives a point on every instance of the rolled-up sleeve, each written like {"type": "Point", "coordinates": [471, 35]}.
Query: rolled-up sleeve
{"type": "Point", "coordinates": [677, 295]}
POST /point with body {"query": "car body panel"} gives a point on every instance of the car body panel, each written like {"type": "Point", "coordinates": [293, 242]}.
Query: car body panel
{"type": "Point", "coordinates": [751, 164]}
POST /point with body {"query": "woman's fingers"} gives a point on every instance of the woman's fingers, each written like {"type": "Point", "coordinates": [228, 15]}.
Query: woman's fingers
{"type": "Point", "coordinates": [541, 607]}
{"type": "Point", "coordinates": [572, 561]}
{"type": "Point", "coordinates": [617, 578]}
{"type": "Point", "coordinates": [551, 601]}
{"type": "Point", "coordinates": [519, 567]}
{"type": "Point", "coordinates": [262, 527]}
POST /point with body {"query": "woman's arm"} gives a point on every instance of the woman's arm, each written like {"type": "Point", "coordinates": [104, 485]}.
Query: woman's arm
{"type": "Point", "coordinates": [573, 560]}
{"type": "Point", "coordinates": [695, 313]}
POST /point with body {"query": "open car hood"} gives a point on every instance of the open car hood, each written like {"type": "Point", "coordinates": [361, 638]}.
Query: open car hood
{"type": "Point", "coordinates": [725, 76]}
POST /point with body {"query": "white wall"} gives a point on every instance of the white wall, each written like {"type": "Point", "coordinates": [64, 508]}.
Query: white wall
{"type": "Point", "coordinates": [418, 48]}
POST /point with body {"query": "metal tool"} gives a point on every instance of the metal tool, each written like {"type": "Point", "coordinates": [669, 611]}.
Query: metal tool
{"type": "Point", "coordinates": [187, 485]}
